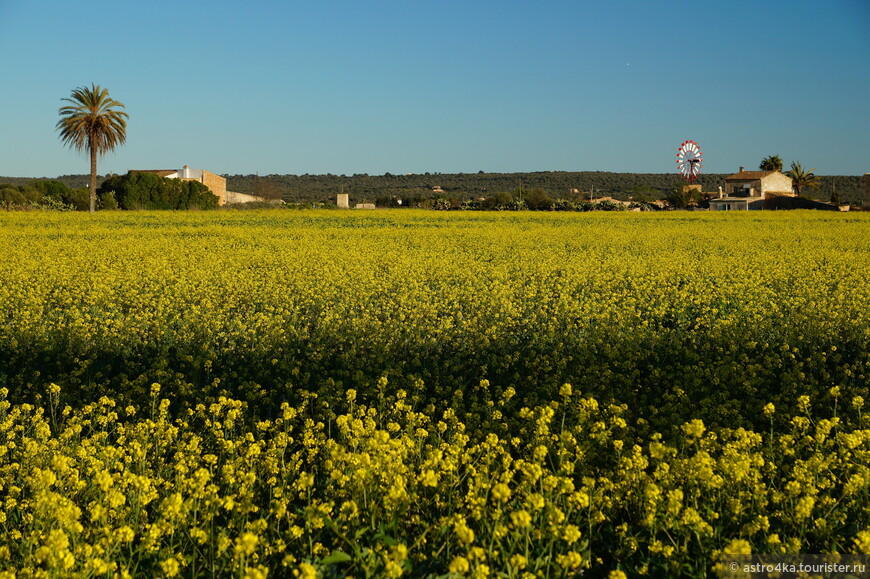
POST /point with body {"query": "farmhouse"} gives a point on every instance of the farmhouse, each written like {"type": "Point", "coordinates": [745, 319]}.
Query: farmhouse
{"type": "Point", "coordinates": [753, 190]}
{"type": "Point", "coordinates": [215, 183]}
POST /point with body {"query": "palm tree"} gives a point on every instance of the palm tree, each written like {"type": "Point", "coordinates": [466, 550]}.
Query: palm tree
{"type": "Point", "coordinates": [801, 178]}
{"type": "Point", "coordinates": [771, 163]}
{"type": "Point", "coordinates": [91, 121]}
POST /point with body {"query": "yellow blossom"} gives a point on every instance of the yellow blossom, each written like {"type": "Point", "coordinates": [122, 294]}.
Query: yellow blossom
{"type": "Point", "coordinates": [694, 428]}
{"type": "Point", "coordinates": [459, 565]}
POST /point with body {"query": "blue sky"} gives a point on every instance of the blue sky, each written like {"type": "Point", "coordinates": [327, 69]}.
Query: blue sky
{"type": "Point", "coordinates": [450, 86]}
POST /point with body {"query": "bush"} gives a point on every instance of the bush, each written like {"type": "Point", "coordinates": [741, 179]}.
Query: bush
{"type": "Point", "coordinates": [682, 195]}
{"type": "Point", "coordinates": [80, 199]}
{"type": "Point", "coordinates": [501, 200]}
{"type": "Point", "coordinates": [46, 195]}
{"type": "Point", "coordinates": [107, 200]}
{"type": "Point", "coordinates": [12, 197]}
{"type": "Point", "coordinates": [54, 204]}
{"type": "Point", "coordinates": [150, 191]}
{"type": "Point", "coordinates": [54, 189]}
{"type": "Point", "coordinates": [537, 199]}
{"type": "Point", "coordinates": [57, 194]}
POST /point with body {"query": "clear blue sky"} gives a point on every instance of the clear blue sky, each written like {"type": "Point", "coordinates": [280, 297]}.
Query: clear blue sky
{"type": "Point", "coordinates": [450, 86]}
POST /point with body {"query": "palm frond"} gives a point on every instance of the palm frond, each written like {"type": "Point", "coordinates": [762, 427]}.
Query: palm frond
{"type": "Point", "coordinates": [92, 119]}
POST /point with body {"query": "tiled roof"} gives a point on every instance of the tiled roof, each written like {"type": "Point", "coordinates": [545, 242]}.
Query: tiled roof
{"type": "Point", "coordinates": [749, 175]}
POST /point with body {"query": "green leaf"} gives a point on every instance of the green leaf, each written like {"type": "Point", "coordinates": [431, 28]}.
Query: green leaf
{"type": "Point", "coordinates": [336, 557]}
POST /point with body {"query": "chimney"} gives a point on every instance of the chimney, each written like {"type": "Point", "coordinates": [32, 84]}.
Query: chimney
{"type": "Point", "coordinates": [185, 172]}
{"type": "Point", "coordinates": [741, 170]}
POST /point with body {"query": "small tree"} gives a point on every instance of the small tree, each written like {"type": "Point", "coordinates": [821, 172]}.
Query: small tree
{"type": "Point", "coordinates": [501, 200]}
{"type": "Point", "coordinates": [801, 178]}
{"type": "Point", "coordinates": [771, 163]}
{"type": "Point", "coordinates": [58, 194]}
{"type": "Point", "coordinates": [11, 197]}
{"type": "Point", "coordinates": [537, 199]}
{"type": "Point", "coordinates": [682, 195]}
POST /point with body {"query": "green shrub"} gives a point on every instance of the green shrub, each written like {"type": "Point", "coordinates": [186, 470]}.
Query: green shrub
{"type": "Point", "coordinates": [11, 197]}
{"type": "Point", "coordinates": [55, 194]}
{"type": "Point", "coordinates": [107, 200]}
{"type": "Point", "coordinates": [537, 199]}
{"type": "Point", "coordinates": [150, 191]}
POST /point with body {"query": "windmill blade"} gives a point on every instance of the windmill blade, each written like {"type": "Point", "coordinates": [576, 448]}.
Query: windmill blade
{"type": "Point", "coordinates": [689, 160]}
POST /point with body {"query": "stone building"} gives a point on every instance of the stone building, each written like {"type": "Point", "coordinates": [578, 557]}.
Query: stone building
{"type": "Point", "coordinates": [753, 190]}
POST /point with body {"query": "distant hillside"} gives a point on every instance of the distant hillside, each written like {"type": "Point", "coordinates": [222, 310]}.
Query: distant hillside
{"type": "Point", "coordinates": [559, 184]}
{"type": "Point", "coordinates": [414, 187]}
{"type": "Point", "coordinates": [72, 181]}
{"type": "Point", "coordinates": [364, 187]}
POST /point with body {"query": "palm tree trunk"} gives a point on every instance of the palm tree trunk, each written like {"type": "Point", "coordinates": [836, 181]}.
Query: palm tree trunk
{"type": "Point", "coordinates": [93, 188]}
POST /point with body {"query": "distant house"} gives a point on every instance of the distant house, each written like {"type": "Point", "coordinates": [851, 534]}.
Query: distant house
{"type": "Point", "coordinates": [215, 183]}
{"type": "Point", "coordinates": [753, 190]}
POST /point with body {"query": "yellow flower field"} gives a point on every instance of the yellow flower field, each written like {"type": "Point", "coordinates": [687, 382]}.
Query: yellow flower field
{"type": "Point", "coordinates": [316, 393]}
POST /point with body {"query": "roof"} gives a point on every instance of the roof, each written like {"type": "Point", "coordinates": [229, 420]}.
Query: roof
{"type": "Point", "coordinates": [749, 175]}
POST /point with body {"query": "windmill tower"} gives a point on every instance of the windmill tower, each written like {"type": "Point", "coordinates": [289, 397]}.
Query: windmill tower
{"type": "Point", "coordinates": [689, 160]}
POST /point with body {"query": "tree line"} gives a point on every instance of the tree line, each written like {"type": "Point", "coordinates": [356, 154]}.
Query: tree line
{"type": "Point", "coordinates": [466, 187]}
{"type": "Point", "coordinates": [131, 191]}
{"type": "Point", "coordinates": [429, 189]}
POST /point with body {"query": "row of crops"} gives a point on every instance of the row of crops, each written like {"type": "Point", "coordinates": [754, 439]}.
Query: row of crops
{"type": "Point", "coordinates": [430, 394]}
